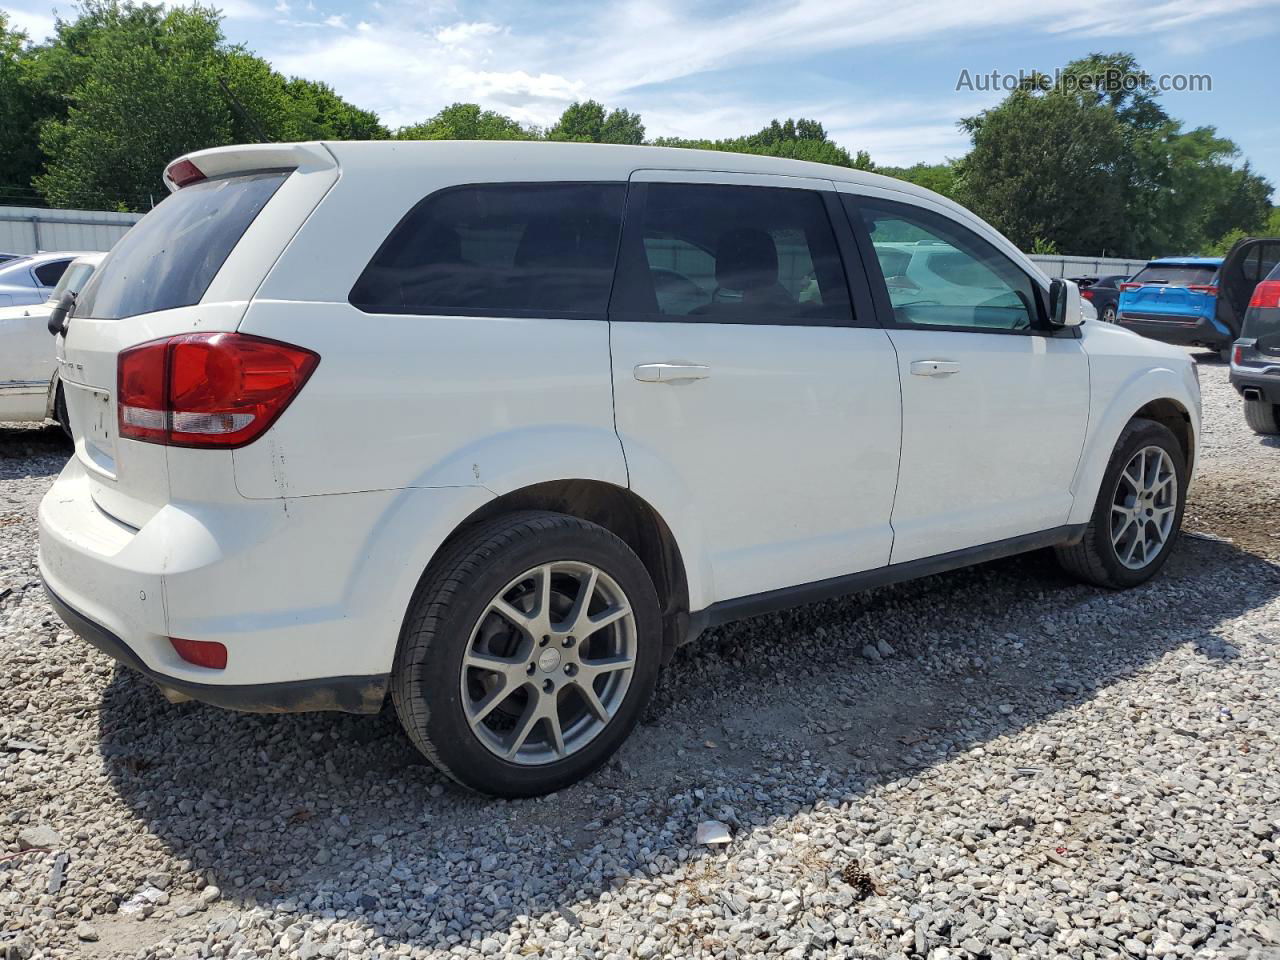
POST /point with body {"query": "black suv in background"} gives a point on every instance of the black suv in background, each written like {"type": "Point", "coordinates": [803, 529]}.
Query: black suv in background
{"type": "Point", "coordinates": [1103, 293]}
{"type": "Point", "coordinates": [1255, 360]}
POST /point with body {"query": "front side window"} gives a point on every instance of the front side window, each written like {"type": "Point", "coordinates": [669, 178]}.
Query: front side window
{"type": "Point", "coordinates": [501, 249]}
{"type": "Point", "coordinates": [730, 254]}
{"type": "Point", "coordinates": [942, 274]}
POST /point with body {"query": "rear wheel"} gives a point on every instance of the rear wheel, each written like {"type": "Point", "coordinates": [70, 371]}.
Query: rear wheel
{"type": "Point", "coordinates": [528, 653]}
{"type": "Point", "coordinates": [1224, 353]}
{"type": "Point", "coordinates": [1261, 416]}
{"type": "Point", "coordinates": [1139, 510]}
{"type": "Point", "coordinates": [1108, 313]}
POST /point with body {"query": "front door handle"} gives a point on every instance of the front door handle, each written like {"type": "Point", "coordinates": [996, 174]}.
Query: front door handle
{"type": "Point", "coordinates": [671, 372]}
{"type": "Point", "coordinates": [934, 368]}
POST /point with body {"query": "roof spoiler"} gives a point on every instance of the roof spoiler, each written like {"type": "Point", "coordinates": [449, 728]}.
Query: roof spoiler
{"type": "Point", "coordinates": [222, 161]}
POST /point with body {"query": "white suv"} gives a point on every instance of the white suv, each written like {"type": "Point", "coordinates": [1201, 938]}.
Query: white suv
{"type": "Point", "coordinates": [495, 427]}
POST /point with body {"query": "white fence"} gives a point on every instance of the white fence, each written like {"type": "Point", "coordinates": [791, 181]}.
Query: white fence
{"type": "Point", "coordinates": [33, 229]}
{"type": "Point", "coordinates": [1056, 266]}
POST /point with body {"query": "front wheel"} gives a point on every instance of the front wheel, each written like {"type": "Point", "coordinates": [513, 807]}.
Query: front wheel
{"type": "Point", "coordinates": [528, 653]}
{"type": "Point", "coordinates": [1138, 513]}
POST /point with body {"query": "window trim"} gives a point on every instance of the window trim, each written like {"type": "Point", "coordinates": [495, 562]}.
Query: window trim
{"type": "Point", "coordinates": [500, 313]}
{"type": "Point", "coordinates": [852, 204]}
{"type": "Point", "coordinates": [632, 257]}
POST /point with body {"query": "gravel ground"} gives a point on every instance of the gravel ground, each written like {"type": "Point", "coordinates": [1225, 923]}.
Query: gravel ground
{"type": "Point", "coordinates": [996, 762]}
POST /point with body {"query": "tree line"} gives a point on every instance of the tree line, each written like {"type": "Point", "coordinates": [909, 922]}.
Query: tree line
{"type": "Point", "coordinates": [90, 116]}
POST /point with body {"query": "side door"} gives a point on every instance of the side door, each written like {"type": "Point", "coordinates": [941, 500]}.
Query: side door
{"type": "Point", "coordinates": [1246, 265]}
{"type": "Point", "coordinates": [994, 404]}
{"type": "Point", "coordinates": [755, 398]}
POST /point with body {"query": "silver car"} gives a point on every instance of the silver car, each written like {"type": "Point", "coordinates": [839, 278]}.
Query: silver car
{"type": "Point", "coordinates": [31, 279]}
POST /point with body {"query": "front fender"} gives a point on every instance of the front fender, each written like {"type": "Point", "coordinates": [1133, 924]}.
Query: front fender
{"type": "Point", "coordinates": [1118, 393]}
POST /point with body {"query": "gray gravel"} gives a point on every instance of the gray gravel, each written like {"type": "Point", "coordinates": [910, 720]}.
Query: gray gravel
{"type": "Point", "coordinates": [996, 762]}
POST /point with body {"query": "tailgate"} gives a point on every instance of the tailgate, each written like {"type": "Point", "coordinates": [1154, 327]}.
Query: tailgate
{"type": "Point", "coordinates": [192, 264]}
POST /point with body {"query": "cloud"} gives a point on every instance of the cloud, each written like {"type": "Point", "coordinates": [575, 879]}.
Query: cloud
{"type": "Point", "coordinates": [337, 20]}
{"type": "Point", "coordinates": [459, 33]}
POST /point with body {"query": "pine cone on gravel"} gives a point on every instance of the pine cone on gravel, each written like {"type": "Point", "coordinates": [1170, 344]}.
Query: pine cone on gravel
{"type": "Point", "coordinates": [860, 880]}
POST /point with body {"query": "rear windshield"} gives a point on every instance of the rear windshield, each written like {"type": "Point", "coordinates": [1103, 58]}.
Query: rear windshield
{"type": "Point", "coordinates": [170, 256]}
{"type": "Point", "coordinates": [1176, 274]}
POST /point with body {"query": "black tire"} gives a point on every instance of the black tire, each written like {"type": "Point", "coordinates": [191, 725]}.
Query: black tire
{"type": "Point", "coordinates": [60, 411]}
{"type": "Point", "coordinates": [1108, 314]}
{"type": "Point", "coordinates": [1224, 353]}
{"type": "Point", "coordinates": [1262, 417]}
{"type": "Point", "coordinates": [1094, 558]}
{"type": "Point", "coordinates": [449, 602]}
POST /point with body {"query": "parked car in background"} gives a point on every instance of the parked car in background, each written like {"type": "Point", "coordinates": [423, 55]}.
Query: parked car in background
{"type": "Point", "coordinates": [1255, 361]}
{"type": "Point", "coordinates": [6, 257]}
{"type": "Point", "coordinates": [1197, 301]}
{"type": "Point", "coordinates": [1174, 299]}
{"type": "Point", "coordinates": [30, 280]}
{"type": "Point", "coordinates": [29, 383]}
{"type": "Point", "coordinates": [1103, 293]}
{"type": "Point", "coordinates": [495, 427]}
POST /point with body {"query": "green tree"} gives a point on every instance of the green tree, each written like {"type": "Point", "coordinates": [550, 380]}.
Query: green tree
{"type": "Point", "coordinates": [128, 86]}
{"type": "Point", "coordinates": [938, 177]}
{"type": "Point", "coordinates": [466, 121]}
{"type": "Point", "coordinates": [19, 117]}
{"type": "Point", "coordinates": [588, 122]}
{"type": "Point", "coordinates": [1043, 170]}
{"type": "Point", "coordinates": [794, 139]}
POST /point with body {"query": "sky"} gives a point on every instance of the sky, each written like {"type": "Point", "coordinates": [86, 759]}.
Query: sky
{"type": "Point", "coordinates": [881, 75]}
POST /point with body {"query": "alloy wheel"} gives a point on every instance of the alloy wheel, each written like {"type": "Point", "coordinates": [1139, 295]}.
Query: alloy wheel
{"type": "Point", "coordinates": [548, 663]}
{"type": "Point", "coordinates": [1143, 507]}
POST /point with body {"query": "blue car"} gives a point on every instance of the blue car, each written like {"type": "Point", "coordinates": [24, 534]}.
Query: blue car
{"type": "Point", "coordinates": [1175, 300]}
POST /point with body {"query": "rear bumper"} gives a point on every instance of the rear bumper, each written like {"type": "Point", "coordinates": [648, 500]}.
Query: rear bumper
{"type": "Point", "coordinates": [347, 694]}
{"type": "Point", "coordinates": [307, 595]}
{"type": "Point", "coordinates": [1267, 387]}
{"type": "Point", "coordinates": [1176, 329]}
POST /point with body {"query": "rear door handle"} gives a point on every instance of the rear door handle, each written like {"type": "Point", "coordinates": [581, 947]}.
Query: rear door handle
{"type": "Point", "coordinates": [671, 372]}
{"type": "Point", "coordinates": [934, 368]}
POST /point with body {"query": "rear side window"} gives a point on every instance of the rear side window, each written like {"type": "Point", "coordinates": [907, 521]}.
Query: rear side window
{"type": "Point", "coordinates": [169, 258]}
{"type": "Point", "coordinates": [720, 253]}
{"type": "Point", "coordinates": [499, 249]}
{"type": "Point", "coordinates": [50, 273]}
{"type": "Point", "coordinates": [1176, 274]}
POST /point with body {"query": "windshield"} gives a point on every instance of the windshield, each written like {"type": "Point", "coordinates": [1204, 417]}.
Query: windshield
{"type": "Point", "coordinates": [1177, 274]}
{"type": "Point", "coordinates": [73, 279]}
{"type": "Point", "coordinates": [169, 258]}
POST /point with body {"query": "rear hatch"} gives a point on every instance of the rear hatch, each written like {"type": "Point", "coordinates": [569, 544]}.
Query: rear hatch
{"type": "Point", "coordinates": [1177, 292]}
{"type": "Point", "coordinates": [190, 265]}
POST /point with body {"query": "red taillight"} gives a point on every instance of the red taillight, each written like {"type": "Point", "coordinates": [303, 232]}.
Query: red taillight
{"type": "Point", "coordinates": [1266, 295]}
{"type": "Point", "coordinates": [1130, 286]}
{"type": "Point", "coordinates": [203, 653]}
{"type": "Point", "coordinates": [207, 389]}
{"type": "Point", "coordinates": [1237, 355]}
{"type": "Point", "coordinates": [1087, 294]}
{"type": "Point", "coordinates": [1210, 288]}
{"type": "Point", "coordinates": [184, 172]}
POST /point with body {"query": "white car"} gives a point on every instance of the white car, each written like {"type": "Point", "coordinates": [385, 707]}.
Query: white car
{"type": "Point", "coordinates": [29, 383]}
{"type": "Point", "coordinates": [494, 427]}
{"type": "Point", "coordinates": [28, 280]}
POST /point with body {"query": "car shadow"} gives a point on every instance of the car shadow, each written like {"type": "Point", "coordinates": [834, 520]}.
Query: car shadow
{"type": "Point", "coordinates": [331, 814]}
{"type": "Point", "coordinates": [36, 442]}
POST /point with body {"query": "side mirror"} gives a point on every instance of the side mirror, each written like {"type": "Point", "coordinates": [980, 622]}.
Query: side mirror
{"type": "Point", "coordinates": [58, 315]}
{"type": "Point", "coordinates": [1064, 304]}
